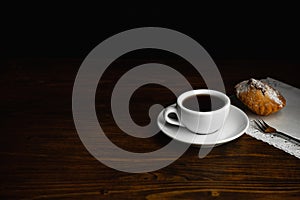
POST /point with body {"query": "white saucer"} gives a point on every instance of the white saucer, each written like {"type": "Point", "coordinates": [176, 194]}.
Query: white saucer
{"type": "Point", "coordinates": [235, 126]}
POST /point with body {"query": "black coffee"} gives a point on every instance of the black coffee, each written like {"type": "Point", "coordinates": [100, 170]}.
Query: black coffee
{"type": "Point", "coordinates": [206, 103]}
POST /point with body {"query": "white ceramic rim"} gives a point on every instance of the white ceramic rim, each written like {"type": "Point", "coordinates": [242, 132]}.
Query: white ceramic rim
{"type": "Point", "coordinates": [203, 91]}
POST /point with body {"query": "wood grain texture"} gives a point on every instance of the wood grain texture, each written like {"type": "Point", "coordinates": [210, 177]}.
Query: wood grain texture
{"type": "Point", "coordinates": [42, 156]}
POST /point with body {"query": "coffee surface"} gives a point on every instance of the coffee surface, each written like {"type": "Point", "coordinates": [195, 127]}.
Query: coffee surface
{"type": "Point", "coordinates": [206, 103]}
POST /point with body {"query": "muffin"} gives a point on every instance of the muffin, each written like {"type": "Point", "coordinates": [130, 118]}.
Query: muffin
{"type": "Point", "coordinates": [259, 97]}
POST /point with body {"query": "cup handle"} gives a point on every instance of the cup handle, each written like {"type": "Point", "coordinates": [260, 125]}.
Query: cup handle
{"type": "Point", "coordinates": [169, 110]}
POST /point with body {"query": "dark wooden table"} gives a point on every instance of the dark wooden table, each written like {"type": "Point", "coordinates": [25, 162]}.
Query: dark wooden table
{"type": "Point", "coordinates": [42, 156]}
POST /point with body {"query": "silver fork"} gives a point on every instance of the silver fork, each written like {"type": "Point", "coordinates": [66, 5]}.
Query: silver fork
{"type": "Point", "coordinates": [264, 127]}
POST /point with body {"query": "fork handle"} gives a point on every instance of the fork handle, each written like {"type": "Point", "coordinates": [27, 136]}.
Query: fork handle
{"type": "Point", "coordinates": [289, 137]}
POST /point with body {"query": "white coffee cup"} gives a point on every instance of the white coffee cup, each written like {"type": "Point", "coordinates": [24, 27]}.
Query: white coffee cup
{"type": "Point", "coordinates": [197, 121]}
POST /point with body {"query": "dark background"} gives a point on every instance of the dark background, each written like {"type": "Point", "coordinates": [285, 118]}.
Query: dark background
{"type": "Point", "coordinates": [239, 31]}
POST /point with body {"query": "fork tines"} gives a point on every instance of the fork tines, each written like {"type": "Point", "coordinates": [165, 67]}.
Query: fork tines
{"type": "Point", "coordinates": [261, 124]}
